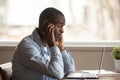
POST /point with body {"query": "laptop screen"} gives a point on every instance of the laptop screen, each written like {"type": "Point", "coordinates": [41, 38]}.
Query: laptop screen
{"type": "Point", "coordinates": [93, 76]}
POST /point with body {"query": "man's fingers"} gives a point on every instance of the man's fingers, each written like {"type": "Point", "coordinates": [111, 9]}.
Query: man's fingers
{"type": "Point", "coordinates": [50, 25]}
{"type": "Point", "coordinates": [51, 29]}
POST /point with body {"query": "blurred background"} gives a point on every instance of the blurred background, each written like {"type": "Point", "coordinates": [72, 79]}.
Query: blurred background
{"type": "Point", "coordinates": [86, 20]}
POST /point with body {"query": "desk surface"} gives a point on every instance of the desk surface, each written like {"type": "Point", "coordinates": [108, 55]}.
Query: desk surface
{"type": "Point", "coordinates": [102, 77]}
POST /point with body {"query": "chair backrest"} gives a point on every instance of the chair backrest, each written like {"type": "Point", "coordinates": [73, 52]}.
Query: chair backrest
{"type": "Point", "coordinates": [2, 74]}
{"type": "Point", "coordinates": [6, 71]}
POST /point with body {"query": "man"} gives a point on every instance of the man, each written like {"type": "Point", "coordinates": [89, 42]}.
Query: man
{"type": "Point", "coordinates": [42, 56]}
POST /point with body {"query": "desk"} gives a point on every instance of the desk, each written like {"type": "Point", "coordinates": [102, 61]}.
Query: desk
{"type": "Point", "coordinates": [102, 77]}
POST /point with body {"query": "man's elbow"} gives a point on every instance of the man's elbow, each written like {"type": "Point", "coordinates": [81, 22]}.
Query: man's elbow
{"type": "Point", "coordinates": [59, 75]}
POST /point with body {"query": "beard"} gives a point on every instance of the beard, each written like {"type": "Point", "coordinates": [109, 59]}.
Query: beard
{"type": "Point", "coordinates": [58, 37]}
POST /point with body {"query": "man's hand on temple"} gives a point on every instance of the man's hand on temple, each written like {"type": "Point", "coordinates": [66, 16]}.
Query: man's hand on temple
{"type": "Point", "coordinates": [60, 43]}
{"type": "Point", "coordinates": [49, 35]}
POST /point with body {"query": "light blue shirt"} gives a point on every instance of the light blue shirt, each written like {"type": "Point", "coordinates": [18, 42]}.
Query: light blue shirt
{"type": "Point", "coordinates": [31, 61]}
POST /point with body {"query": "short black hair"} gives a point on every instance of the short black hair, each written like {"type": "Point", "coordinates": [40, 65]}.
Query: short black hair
{"type": "Point", "coordinates": [50, 14]}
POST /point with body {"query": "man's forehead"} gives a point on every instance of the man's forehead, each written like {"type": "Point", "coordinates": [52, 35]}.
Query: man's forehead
{"type": "Point", "coordinates": [59, 19]}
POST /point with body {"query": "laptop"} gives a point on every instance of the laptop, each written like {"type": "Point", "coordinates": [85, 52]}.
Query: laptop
{"type": "Point", "coordinates": [87, 75]}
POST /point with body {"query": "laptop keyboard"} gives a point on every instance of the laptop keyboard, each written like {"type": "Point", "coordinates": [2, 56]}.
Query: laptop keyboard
{"type": "Point", "coordinates": [89, 75]}
{"type": "Point", "coordinates": [83, 75]}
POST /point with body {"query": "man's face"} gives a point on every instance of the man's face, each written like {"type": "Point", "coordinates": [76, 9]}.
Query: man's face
{"type": "Point", "coordinates": [59, 22]}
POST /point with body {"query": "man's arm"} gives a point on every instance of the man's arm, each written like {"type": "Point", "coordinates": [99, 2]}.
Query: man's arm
{"type": "Point", "coordinates": [32, 58]}
{"type": "Point", "coordinates": [69, 65]}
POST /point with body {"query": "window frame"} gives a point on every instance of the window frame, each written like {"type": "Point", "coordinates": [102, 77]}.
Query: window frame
{"type": "Point", "coordinates": [73, 44]}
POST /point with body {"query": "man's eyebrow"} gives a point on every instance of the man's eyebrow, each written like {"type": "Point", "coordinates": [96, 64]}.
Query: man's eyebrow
{"type": "Point", "coordinates": [62, 23]}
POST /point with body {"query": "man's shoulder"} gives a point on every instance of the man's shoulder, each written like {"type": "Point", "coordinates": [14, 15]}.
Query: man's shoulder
{"type": "Point", "coordinates": [27, 41]}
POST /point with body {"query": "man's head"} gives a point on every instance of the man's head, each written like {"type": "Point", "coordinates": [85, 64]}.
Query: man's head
{"type": "Point", "coordinates": [51, 14]}
{"type": "Point", "coordinates": [54, 16]}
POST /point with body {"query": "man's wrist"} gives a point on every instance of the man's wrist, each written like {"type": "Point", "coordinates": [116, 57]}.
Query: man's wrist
{"type": "Point", "coordinates": [62, 48]}
{"type": "Point", "coordinates": [50, 44]}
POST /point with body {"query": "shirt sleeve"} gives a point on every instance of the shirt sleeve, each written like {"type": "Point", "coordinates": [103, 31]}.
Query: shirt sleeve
{"type": "Point", "coordinates": [69, 65]}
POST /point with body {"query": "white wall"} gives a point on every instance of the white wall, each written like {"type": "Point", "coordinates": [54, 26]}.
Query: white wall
{"type": "Point", "coordinates": [85, 57]}
{"type": "Point", "coordinates": [89, 57]}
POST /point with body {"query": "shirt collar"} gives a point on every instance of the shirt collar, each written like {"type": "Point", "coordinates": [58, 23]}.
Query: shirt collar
{"type": "Point", "coordinates": [36, 37]}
